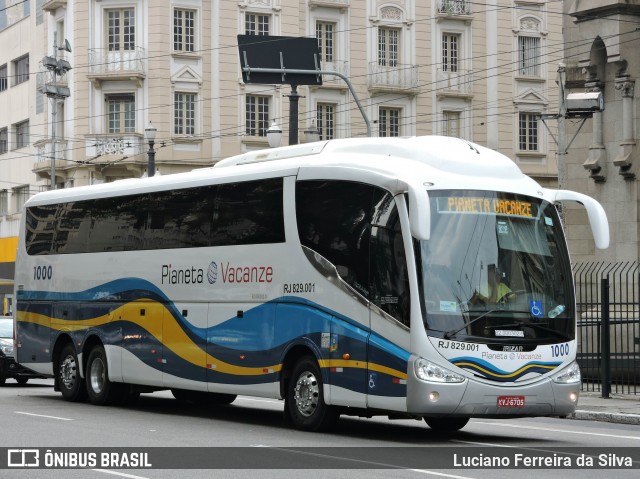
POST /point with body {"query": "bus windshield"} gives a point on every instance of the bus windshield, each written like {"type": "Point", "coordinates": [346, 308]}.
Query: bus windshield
{"type": "Point", "coordinates": [495, 269]}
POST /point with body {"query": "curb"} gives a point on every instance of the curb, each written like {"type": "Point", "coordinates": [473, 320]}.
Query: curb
{"type": "Point", "coordinates": [606, 417]}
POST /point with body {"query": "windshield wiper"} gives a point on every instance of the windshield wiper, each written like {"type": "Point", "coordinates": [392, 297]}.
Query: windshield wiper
{"type": "Point", "coordinates": [452, 333]}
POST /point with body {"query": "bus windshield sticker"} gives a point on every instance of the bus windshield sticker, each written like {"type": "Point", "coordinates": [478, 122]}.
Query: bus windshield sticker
{"type": "Point", "coordinates": [509, 333]}
{"type": "Point", "coordinates": [535, 307]}
{"type": "Point", "coordinates": [448, 306]}
{"type": "Point", "coordinates": [487, 206]}
{"type": "Point", "coordinates": [548, 221]}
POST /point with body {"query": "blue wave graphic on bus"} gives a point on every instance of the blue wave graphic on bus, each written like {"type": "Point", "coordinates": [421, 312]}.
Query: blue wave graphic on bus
{"type": "Point", "coordinates": [489, 371]}
{"type": "Point", "coordinates": [260, 330]}
{"type": "Point", "coordinates": [106, 297]}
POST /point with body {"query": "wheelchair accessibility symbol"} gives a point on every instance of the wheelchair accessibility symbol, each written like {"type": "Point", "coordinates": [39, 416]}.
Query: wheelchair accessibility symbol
{"type": "Point", "coordinates": [372, 380]}
{"type": "Point", "coordinates": [535, 308]}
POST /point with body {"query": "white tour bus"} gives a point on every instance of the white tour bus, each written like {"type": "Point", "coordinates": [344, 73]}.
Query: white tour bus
{"type": "Point", "coordinates": [409, 277]}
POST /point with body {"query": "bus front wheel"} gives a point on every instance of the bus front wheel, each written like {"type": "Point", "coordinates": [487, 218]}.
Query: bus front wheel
{"type": "Point", "coordinates": [71, 384]}
{"type": "Point", "coordinates": [100, 390]}
{"type": "Point", "coordinates": [446, 424]}
{"type": "Point", "coordinates": [304, 401]}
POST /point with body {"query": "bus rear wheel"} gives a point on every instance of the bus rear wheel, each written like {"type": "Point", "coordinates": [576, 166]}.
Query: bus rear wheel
{"type": "Point", "coordinates": [446, 424]}
{"type": "Point", "coordinates": [100, 390]}
{"type": "Point", "coordinates": [304, 400]}
{"type": "Point", "coordinates": [71, 385]}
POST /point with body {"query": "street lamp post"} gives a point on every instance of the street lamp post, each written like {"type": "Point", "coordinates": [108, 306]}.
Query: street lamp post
{"type": "Point", "coordinates": [274, 135]}
{"type": "Point", "coordinates": [150, 134]}
{"type": "Point", "coordinates": [312, 133]}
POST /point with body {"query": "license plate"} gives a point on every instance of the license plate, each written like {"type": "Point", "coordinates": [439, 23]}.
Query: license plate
{"type": "Point", "coordinates": [510, 401]}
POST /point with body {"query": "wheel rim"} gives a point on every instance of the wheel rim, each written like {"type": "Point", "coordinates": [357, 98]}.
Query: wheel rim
{"type": "Point", "coordinates": [96, 375]}
{"type": "Point", "coordinates": [307, 393]}
{"type": "Point", "coordinates": [68, 372]}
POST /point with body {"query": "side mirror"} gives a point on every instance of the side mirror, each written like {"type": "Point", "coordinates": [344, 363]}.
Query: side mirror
{"type": "Point", "coordinates": [419, 211]}
{"type": "Point", "coordinates": [595, 212]}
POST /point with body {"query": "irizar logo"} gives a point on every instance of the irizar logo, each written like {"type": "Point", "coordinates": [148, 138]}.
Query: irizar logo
{"type": "Point", "coordinates": [189, 275]}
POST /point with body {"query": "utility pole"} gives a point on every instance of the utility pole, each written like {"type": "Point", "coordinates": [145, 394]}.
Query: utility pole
{"type": "Point", "coordinates": [562, 139]}
{"type": "Point", "coordinates": [54, 92]}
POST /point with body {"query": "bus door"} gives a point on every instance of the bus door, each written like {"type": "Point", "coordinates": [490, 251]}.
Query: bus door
{"type": "Point", "coordinates": [184, 346]}
{"type": "Point", "coordinates": [389, 309]}
{"type": "Point", "coordinates": [336, 219]}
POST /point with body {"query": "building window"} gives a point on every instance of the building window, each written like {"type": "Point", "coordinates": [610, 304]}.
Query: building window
{"type": "Point", "coordinates": [184, 113]}
{"type": "Point", "coordinates": [389, 122]}
{"type": "Point", "coordinates": [255, 24]}
{"type": "Point", "coordinates": [528, 131]}
{"type": "Point", "coordinates": [451, 123]}
{"type": "Point", "coordinates": [325, 33]}
{"type": "Point", "coordinates": [21, 69]}
{"type": "Point", "coordinates": [121, 113]}
{"type": "Point", "coordinates": [4, 202]}
{"type": "Point", "coordinates": [4, 141]}
{"type": "Point", "coordinates": [529, 56]}
{"type": "Point", "coordinates": [326, 120]}
{"type": "Point", "coordinates": [121, 29]}
{"type": "Point", "coordinates": [388, 46]}
{"type": "Point", "coordinates": [21, 194]}
{"type": "Point", "coordinates": [22, 134]}
{"type": "Point", "coordinates": [450, 52]}
{"type": "Point", "coordinates": [184, 30]}
{"type": "Point", "coordinates": [257, 115]}
{"type": "Point", "coordinates": [3, 77]}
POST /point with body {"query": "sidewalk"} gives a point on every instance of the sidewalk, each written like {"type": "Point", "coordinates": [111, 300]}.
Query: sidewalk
{"type": "Point", "coordinates": [618, 408]}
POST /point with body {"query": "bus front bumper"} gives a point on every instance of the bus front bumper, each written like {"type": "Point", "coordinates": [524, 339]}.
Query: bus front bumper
{"type": "Point", "coordinates": [473, 398]}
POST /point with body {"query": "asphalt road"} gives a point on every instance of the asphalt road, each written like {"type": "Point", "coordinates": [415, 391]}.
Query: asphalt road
{"type": "Point", "coordinates": [255, 435]}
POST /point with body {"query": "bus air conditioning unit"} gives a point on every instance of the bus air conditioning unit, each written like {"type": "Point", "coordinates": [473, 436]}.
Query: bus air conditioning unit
{"type": "Point", "coordinates": [584, 104]}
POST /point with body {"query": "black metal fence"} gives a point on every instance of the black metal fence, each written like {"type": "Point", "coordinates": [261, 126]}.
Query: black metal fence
{"type": "Point", "coordinates": [608, 308]}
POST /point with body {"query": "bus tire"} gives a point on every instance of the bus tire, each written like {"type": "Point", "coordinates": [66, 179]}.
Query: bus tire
{"type": "Point", "coordinates": [304, 400]}
{"type": "Point", "coordinates": [71, 385]}
{"type": "Point", "coordinates": [446, 424]}
{"type": "Point", "coordinates": [100, 390]}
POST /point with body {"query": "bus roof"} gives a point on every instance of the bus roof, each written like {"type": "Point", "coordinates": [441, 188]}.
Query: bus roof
{"type": "Point", "coordinates": [440, 162]}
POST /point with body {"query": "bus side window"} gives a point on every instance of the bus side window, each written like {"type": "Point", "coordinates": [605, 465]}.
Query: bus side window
{"type": "Point", "coordinates": [334, 219]}
{"type": "Point", "coordinates": [389, 277]}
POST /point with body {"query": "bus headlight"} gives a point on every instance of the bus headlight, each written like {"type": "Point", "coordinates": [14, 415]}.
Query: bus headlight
{"type": "Point", "coordinates": [569, 375]}
{"type": "Point", "coordinates": [427, 371]}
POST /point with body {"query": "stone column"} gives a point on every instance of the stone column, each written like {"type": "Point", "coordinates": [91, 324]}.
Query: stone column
{"type": "Point", "coordinates": [624, 159]}
{"type": "Point", "coordinates": [597, 153]}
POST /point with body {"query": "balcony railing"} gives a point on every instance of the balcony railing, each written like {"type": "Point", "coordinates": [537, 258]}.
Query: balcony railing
{"type": "Point", "coordinates": [45, 150]}
{"type": "Point", "coordinates": [454, 7]}
{"type": "Point", "coordinates": [398, 77]}
{"type": "Point", "coordinates": [114, 144]}
{"type": "Point", "coordinates": [104, 63]}
{"type": "Point", "coordinates": [459, 82]}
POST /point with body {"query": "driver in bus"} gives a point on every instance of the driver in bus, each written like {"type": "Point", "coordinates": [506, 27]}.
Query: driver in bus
{"type": "Point", "coordinates": [498, 291]}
